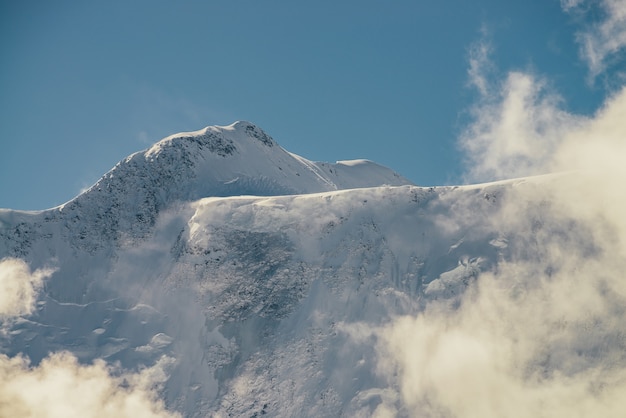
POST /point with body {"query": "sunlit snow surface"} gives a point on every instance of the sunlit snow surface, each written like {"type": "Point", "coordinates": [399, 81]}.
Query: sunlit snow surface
{"type": "Point", "coordinates": [393, 300]}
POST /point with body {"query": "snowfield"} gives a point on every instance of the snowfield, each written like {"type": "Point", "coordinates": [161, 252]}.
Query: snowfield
{"type": "Point", "coordinates": [230, 277]}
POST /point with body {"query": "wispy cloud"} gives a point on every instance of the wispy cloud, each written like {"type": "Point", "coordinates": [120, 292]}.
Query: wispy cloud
{"type": "Point", "coordinates": [602, 41]}
{"type": "Point", "coordinates": [480, 65]}
{"type": "Point", "coordinates": [156, 114]}
{"type": "Point", "coordinates": [568, 5]}
{"type": "Point", "coordinates": [517, 122]}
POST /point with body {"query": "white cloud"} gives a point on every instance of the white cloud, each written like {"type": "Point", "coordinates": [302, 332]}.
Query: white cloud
{"type": "Point", "coordinates": [568, 5]}
{"type": "Point", "coordinates": [516, 129]}
{"type": "Point", "coordinates": [542, 333]}
{"type": "Point", "coordinates": [501, 356]}
{"type": "Point", "coordinates": [603, 40]}
{"type": "Point", "coordinates": [19, 287]}
{"type": "Point", "coordinates": [61, 387]}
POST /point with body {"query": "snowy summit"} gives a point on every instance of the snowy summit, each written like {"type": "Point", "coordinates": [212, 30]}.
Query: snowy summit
{"type": "Point", "coordinates": [240, 159]}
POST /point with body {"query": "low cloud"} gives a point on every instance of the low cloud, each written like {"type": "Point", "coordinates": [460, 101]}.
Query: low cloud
{"type": "Point", "coordinates": [542, 333]}
{"type": "Point", "coordinates": [19, 287]}
{"type": "Point", "coordinates": [61, 387]}
{"type": "Point", "coordinates": [523, 343]}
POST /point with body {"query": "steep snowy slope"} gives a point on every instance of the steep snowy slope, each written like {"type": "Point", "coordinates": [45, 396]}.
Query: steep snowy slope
{"type": "Point", "coordinates": [334, 303]}
{"type": "Point", "coordinates": [245, 291]}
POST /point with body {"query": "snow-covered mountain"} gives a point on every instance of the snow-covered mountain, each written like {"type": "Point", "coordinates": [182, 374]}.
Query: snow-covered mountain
{"type": "Point", "coordinates": [261, 283]}
{"type": "Point", "coordinates": [234, 160]}
{"type": "Point", "coordinates": [239, 159]}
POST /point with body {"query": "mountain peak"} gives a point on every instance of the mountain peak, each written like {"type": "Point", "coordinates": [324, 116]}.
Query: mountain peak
{"type": "Point", "coordinates": [220, 140]}
{"type": "Point", "coordinates": [239, 159]}
{"type": "Point", "coordinates": [217, 161]}
{"type": "Point", "coordinates": [250, 130]}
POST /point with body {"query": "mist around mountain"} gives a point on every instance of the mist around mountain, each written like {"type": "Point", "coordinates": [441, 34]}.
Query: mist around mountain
{"type": "Point", "coordinates": [216, 274]}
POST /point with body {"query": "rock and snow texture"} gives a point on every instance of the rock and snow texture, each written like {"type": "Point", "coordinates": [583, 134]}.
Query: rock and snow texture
{"type": "Point", "coordinates": [336, 290]}
{"type": "Point", "coordinates": [239, 159]}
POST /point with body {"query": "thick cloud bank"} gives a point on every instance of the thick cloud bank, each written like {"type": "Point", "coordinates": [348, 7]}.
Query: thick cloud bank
{"type": "Point", "coordinates": [543, 333]}
{"type": "Point", "coordinates": [61, 387]}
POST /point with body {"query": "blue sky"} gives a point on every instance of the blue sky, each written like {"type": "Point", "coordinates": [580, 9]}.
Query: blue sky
{"type": "Point", "coordinates": [85, 84]}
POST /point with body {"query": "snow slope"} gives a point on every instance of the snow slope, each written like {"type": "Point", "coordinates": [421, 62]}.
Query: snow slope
{"type": "Point", "coordinates": [272, 305]}
{"type": "Point", "coordinates": [241, 289]}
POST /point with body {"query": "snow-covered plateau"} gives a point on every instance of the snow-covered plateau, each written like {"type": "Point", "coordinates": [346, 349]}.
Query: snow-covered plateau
{"type": "Point", "coordinates": [242, 280]}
